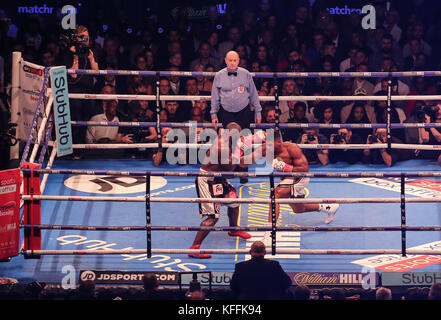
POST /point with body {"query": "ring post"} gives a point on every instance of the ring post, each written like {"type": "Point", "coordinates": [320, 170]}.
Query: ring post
{"type": "Point", "coordinates": [273, 215]}
{"type": "Point", "coordinates": [148, 216]}
{"type": "Point", "coordinates": [403, 216]}
{"type": "Point", "coordinates": [32, 210]}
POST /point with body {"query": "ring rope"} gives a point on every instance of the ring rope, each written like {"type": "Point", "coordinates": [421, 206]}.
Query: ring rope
{"type": "Point", "coordinates": [396, 74]}
{"type": "Point", "coordinates": [230, 251]}
{"type": "Point", "coordinates": [204, 228]}
{"type": "Point", "coordinates": [230, 174]}
{"type": "Point", "coordinates": [229, 200]}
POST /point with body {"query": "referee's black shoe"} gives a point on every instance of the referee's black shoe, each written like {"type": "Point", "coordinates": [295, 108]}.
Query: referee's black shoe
{"type": "Point", "coordinates": [243, 180]}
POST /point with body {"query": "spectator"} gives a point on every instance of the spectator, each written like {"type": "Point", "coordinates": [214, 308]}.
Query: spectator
{"type": "Point", "coordinates": [204, 84]}
{"type": "Point", "coordinates": [259, 278]}
{"type": "Point", "coordinates": [435, 292]}
{"type": "Point", "coordinates": [383, 294]}
{"type": "Point", "coordinates": [358, 112]}
{"type": "Point", "coordinates": [174, 112]}
{"type": "Point", "coordinates": [296, 114]}
{"type": "Point", "coordinates": [157, 154]}
{"type": "Point", "coordinates": [388, 49]}
{"type": "Point", "coordinates": [324, 113]}
{"type": "Point", "coordinates": [269, 114]}
{"type": "Point", "coordinates": [417, 32]}
{"type": "Point", "coordinates": [362, 85]}
{"type": "Point", "coordinates": [301, 292]}
{"type": "Point", "coordinates": [382, 156]}
{"type": "Point", "coordinates": [176, 82]}
{"type": "Point", "coordinates": [314, 156]}
{"type": "Point", "coordinates": [103, 134]}
{"type": "Point", "coordinates": [431, 136]}
{"type": "Point", "coordinates": [164, 89]}
{"type": "Point", "coordinates": [345, 136]}
{"type": "Point", "coordinates": [112, 55]}
{"type": "Point", "coordinates": [288, 89]}
{"type": "Point", "coordinates": [233, 39]}
{"type": "Point", "coordinates": [205, 57]}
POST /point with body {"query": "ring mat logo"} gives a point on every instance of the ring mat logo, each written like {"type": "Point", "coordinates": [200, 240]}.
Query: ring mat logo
{"type": "Point", "coordinates": [112, 184]}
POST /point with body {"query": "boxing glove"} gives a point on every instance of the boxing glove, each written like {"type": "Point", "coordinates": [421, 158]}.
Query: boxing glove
{"type": "Point", "coordinates": [280, 165]}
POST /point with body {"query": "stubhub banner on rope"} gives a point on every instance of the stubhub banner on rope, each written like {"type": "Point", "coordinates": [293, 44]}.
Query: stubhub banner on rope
{"type": "Point", "coordinates": [9, 212]}
{"type": "Point", "coordinates": [62, 111]}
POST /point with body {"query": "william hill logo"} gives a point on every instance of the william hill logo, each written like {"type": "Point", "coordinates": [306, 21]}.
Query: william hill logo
{"type": "Point", "coordinates": [327, 278]}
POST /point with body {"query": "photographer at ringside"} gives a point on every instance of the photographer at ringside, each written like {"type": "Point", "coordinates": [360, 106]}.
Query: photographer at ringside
{"type": "Point", "coordinates": [345, 136]}
{"type": "Point", "coordinates": [380, 156]}
{"type": "Point", "coordinates": [78, 55]}
{"type": "Point", "coordinates": [430, 136]}
{"type": "Point", "coordinates": [312, 136]}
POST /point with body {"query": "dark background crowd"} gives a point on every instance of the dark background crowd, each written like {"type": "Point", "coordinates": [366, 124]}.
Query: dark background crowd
{"type": "Point", "coordinates": [269, 36]}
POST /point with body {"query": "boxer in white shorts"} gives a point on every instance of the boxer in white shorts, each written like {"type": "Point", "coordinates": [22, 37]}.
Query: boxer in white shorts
{"type": "Point", "coordinates": [288, 157]}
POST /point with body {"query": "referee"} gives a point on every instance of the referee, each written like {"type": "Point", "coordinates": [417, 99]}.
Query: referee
{"type": "Point", "coordinates": [232, 95]}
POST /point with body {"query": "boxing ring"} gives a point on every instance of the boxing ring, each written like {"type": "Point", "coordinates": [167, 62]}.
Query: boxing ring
{"type": "Point", "coordinates": [133, 216]}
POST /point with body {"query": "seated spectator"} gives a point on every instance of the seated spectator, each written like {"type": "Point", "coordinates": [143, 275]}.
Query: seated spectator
{"type": "Point", "coordinates": [301, 292]}
{"type": "Point", "coordinates": [196, 115]}
{"type": "Point", "coordinates": [435, 292]}
{"type": "Point", "coordinates": [164, 89]}
{"type": "Point", "coordinates": [363, 85]}
{"type": "Point", "coordinates": [398, 87]}
{"type": "Point", "coordinates": [288, 89]}
{"type": "Point", "coordinates": [174, 112]}
{"type": "Point", "coordinates": [345, 136]}
{"type": "Point", "coordinates": [383, 294]}
{"type": "Point", "coordinates": [151, 289]}
{"type": "Point", "coordinates": [204, 84]}
{"type": "Point", "coordinates": [314, 156]}
{"type": "Point", "coordinates": [142, 110]}
{"type": "Point", "coordinates": [296, 114]}
{"type": "Point", "coordinates": [177, 83]}
{"type": "Point", "coordinates": [111, 80]}
{"type": "Point", "coordinates": [383, 156]}
{"type": "Point", "coordinates": [191, 89]}
{"type": "Point", "coordinates": [417, 33]}
{"type": "Point", "coordinates": [121, 110]}
{"type": "Point", "coordinates": [112, 56]}
{"type": "Point", "coordinates": [324, 113]}
{"type": "Point", "coordinates": [102, 134]}
{"type": "Point", "coordinates": [269, 114]}
{"type": "Point", "coordinates": [259, 278]}
{"type": "Point", "coordinates": [349, 62]}
{"type": "Point", "coordinates": [205, 57]}
{"type": "Point", "coordinates": [420, 86]}
{"type": "Point", "coordinates": [205, 109]}
{"type": "Point", "coordinates": [356, 113]}
{"type": "Point", "coordinates": [388, 50]}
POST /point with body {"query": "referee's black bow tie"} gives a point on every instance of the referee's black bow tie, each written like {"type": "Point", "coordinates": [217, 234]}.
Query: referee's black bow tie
{"type": "Point", "coordinates": [232, 73]}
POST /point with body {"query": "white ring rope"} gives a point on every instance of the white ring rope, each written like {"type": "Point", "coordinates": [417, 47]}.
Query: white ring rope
{"type": "Point", "coordinates": [229, 200]}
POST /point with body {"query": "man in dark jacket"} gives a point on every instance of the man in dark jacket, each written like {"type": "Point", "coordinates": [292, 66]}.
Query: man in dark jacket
{"type": "Point", "coordinates": [259, 278]}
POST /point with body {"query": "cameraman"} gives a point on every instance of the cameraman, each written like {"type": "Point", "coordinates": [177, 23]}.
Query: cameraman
{"type": "Point", "coordinates": [345, 136]}
{"type": "Point", "coordinates": [312, 136]}
{"type": "Point", "coordinates": [379, 156]}
{"type": "Point", "coordinates": [78, 55]}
